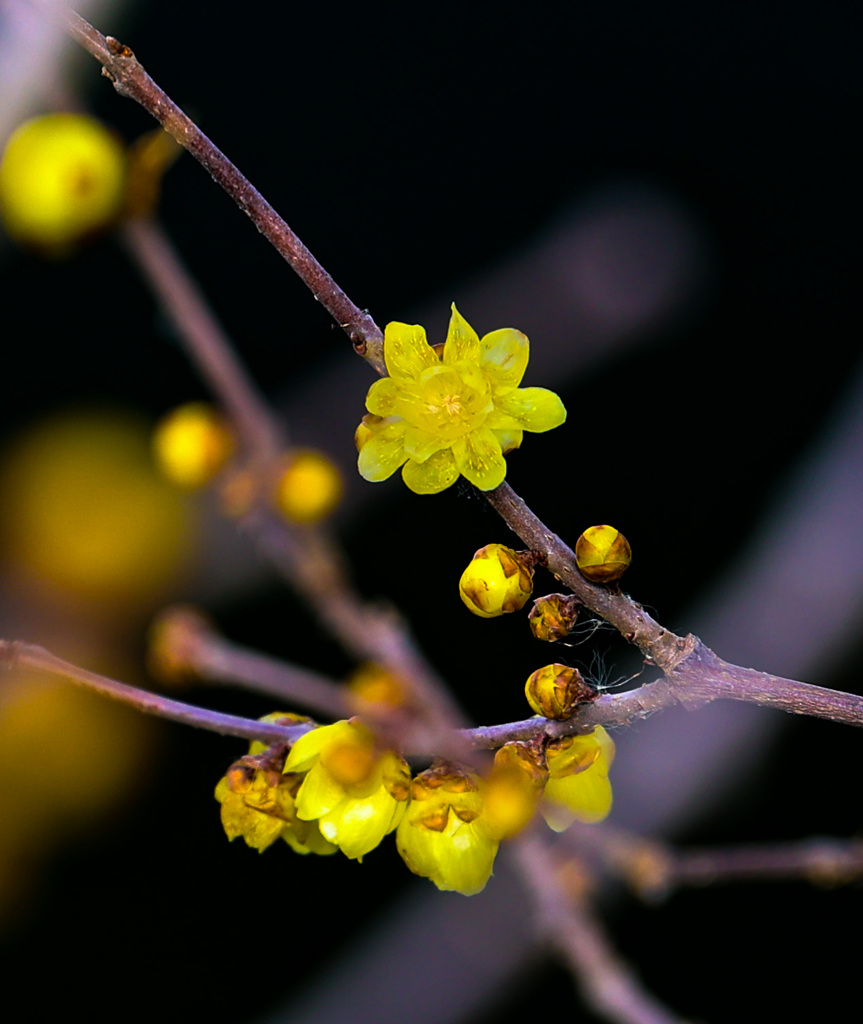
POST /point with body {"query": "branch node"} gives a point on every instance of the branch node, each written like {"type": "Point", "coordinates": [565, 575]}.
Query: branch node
{"type": "Point", "coordinates": [119, 49]}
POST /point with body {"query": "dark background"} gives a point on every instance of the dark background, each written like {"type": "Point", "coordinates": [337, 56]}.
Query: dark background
{"type": "Point", "coordinates": [412, 146]}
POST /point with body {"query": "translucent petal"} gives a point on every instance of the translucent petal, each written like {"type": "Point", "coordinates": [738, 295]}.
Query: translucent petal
{"type": "Point", "coordinates": [464, 859]}
{"type": "Point", "coordinates": [383, 452]}
{"type": "Point", "coordinates": [385, 395]}
{"type": "Point", "coordinates": [462, 341]}
{"type": "Point", "coordinates": [504, 356]}
{"type": "Point", "coordinates": [358, 826]}
{"type": "Point", "coordinates": [406, 350]}
{"type": "Point", "coordinates": [307, 748]}
{"type": "Point", "coordinates": [536, 409]}
{"type": "Point", "coordinates": [479, 458]}
{"type": "Point", "coordinates": [420, 444]}
{"type": "Point", "coordinates": [307, 839]}
{"type": "Point", "coordinates": [318, 795]}
{"type": "Point", "coordinates": [586, 797]}
{"type": "Point", "coordinates": [438, 472]}
{"type": "Point", "coordinates": [509, 439]}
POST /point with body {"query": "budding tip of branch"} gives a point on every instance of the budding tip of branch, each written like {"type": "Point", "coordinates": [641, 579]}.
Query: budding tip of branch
{"type": "Point", "coordinates": [117, 48]}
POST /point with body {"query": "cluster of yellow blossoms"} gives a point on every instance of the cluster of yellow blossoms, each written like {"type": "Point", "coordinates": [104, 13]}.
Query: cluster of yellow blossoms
{"type": "Point", "coordinates": [337, 790]}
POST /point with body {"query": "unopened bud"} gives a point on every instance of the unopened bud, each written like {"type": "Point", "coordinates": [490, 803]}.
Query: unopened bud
{"type": "Point", "coordinates": [602, 554]}
{"type": "Point", "coordinates": [309, 487]}
{"type": "Point", "coordinates": [497, 580]}
{"type": "Point", "coordinates": [553, 616]}
{"type": "Point", "coordinates": [554, 691]}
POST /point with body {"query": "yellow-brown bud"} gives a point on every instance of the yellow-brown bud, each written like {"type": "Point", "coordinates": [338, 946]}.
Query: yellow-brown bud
{"type": "Point", "coordinates": [554, 691]}
{"type": "Point", "coordinates": [602, 554]}
{"type": "Point", "coordinates": [553, 616]}
{"type": "Point", "coordinates": [497, 581]}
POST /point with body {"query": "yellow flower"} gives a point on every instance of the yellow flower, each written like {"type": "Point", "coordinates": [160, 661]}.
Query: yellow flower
{"type": "Point", "coordinates": [309, 486]}
{"type": "Point", "coordinates": [61, 179]}
{"type": "Point", "coordinates": [443, 836]}
{"type": "Point", "coordinates": [192, 444]}
{"type": "Point", "coordinates": [260, 806]}
{"type": "Point", "coordinates": [578, 788]}
{"type": "Point", "coordinates": [259, 800]}
{"type": "Point", "coordinates": [356, 793]}
{"type": "Point", "coordinates": [441, 415]}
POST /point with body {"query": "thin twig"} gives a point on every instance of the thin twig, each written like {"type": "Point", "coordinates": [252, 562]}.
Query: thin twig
{"type": "Point", "coordinates": [16, 655]}
{"type": "Point", "coordinates": [131, 80]}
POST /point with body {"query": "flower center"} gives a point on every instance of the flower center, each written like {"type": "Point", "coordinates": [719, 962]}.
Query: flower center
{"type": "Point", "coordinates": [449, 406]}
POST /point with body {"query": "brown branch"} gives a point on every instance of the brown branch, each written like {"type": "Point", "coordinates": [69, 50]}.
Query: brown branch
{"type": "Point", "coordinates": [131, 80]}
{"type": "Point", "coordinates": [16, 655]}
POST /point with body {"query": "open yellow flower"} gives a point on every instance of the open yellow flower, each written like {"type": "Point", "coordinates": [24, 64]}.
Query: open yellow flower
{"type": "Point", "coordinates": [444, 835]}
{"type": "Point", "coordinates": [441, 415]}
{"type": "Point", "coordinates": [578, 788]}
{"type": "Point", "coordinates": [357, 794]}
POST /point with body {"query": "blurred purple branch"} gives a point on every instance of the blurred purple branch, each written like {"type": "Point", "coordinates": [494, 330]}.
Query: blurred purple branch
{"type": "Point", "coordinates": [15, 655]}
{"type": "Point", "coordinates": [567, 923]}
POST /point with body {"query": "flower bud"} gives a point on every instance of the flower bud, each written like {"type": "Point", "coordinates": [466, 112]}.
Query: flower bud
{"type": "Point", "coordinates": [602, 554]}
{"type": "Point", "coordinates": [512, 789]}
{"type": "Point", "coordinates": [553, 616]}
{"type": "Point", "coordinates": [309, 487]}
{"type": "Point", "coordinates": [498, 580]}
{"type": "Point", "coordinates": [555, 690]}
{"type": "Point", "coordinates": [61, 179]}
{"type": "Point", "coordinates": [192, 444]}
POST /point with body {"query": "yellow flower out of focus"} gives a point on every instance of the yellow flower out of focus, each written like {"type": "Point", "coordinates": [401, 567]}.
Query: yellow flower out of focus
{"type": "Point", "coordinates": [444, 836]}
{"type": "Point", "coordinates": [578, 788]}
{"type": "Point", "coordinates": [192, 444]}
{"type": "Point", "coordinates": [61, 178]}
{"type": "Point", "coordinates": [309, 486]}
{"type": "Point", "coordinates": [441, 415]}
{"type": "Point", "coordinates": [82, 510]}
{"type": "Point", "coordinates": [357, 794]}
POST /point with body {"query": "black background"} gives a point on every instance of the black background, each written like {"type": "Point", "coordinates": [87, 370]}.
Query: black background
{"type": "Point", "coordinates": [411, 145]}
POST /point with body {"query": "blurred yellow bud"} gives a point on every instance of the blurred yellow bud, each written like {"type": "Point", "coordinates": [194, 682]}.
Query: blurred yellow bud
{"type": "Point", "coordinates": [371, 684]}
{"type": "Point", "coordinates": [309, 486]}
{"type": "Point", "coordinates": [81, 508]}
{"type": "Point", "coordinates": [554, 691]}
{"type": "Point", "coordinates": [174, 639]}
{"type": "Point", "coordinates": [61, 179]}
{"type": "Point", "coordinates": [496, 581]}
{"type": "Point", "coordinates": [149, 157]}
{"type": "Point", "coordinates": [192, 444]}
{"type": "Point", "coordinates": [602, 554]}
{"type": "Point", "coordinates": [553, 616]}
{"type": "Point", "coordinates": [512, 789]}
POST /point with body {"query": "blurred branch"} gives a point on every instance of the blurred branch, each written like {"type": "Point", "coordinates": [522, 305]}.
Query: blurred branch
{"type": "Point", "coordinates": [15, 655]}
{"type": "Point", "coordinates": [203, 335]}
{"type": "Point", "coordinates": [607, 983]}
{"type": "Point", "coordinates": [129, 78]}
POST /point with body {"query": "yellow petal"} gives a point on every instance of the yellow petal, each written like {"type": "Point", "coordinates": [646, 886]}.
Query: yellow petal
{"type": "Point", "coordinates": [383, 452]}
{"type": "Point", "coordinates": [382, 397]}
{"type": "Point", "coordinates": [318, 795]}
{"type": "Point", "coordinates": [535, 409]}
{"type": "Point", "coordinates": [307, 749]}
{"type": "Point", "coordinates": [479, 458]}
{"type": "Point", "coordinates": [407, 351]}
{"type": "Point", "coordinates": [504, 356]}
{"type": "Point", "coordinates": [358, 826]}
{"type": "Point", "coordinates": [584, 797]}
{"type": "Point", "coordinates": [305, 837]}
{"type": "Point", "coordinates": [462, 341]}
{"type": "Point", "coordinates": [438, 472]}
{"type": "Point", "coordinates": [420, 444]}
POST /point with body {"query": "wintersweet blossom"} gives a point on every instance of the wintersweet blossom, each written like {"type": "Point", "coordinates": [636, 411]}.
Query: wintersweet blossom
{"type": "Point", "coordinates": [356, 793]}
{"type": "Point", "coordinates": [441, 414]}
{"type": "Point", "coordinates": [444, 835]}
{"type": "Point", "coordinates": [578, 788]}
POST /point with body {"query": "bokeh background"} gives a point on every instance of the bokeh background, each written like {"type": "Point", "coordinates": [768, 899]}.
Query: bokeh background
{"type": "Point", "coordinates": [665, 198]}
